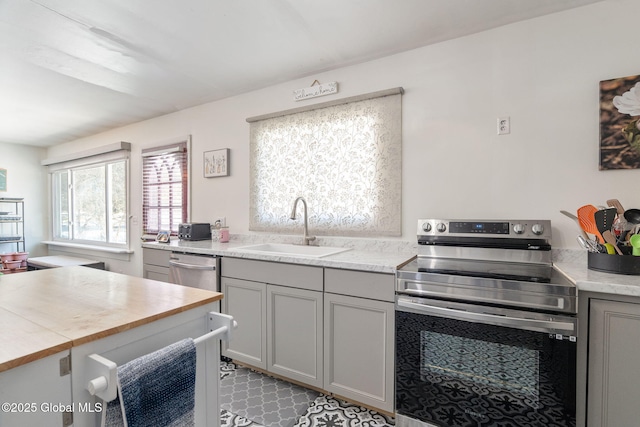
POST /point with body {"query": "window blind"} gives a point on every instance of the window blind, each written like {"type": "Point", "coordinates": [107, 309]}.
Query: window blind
{"type": "Point", "coordinates": [343, 157]}
{"type": "Point", "coordinates": [165, 188]}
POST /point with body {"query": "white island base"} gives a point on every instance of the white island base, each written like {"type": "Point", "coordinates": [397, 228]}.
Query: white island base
{"type": "Point", "coordinates": [117, 317]}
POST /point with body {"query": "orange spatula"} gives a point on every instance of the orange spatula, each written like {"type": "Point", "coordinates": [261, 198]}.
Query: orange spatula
{"type": "Point", "coordinates": [587, 221]}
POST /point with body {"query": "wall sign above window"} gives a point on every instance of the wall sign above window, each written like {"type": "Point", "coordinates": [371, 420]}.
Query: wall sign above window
{"type": "Point", "coordinates": [316, 89]}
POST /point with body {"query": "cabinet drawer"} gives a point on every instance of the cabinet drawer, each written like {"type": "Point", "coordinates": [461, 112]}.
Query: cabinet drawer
{"type": "Point", "coordinates": [156, 257]}
{"type": "Point", "coordinates": [275, 273]}
{"type": "Point", "coordinates": [155, 272]}
{"type": "Point", "coordinates": [379, 286]}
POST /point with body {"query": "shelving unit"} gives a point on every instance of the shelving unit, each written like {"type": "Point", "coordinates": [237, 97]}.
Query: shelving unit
{"type": "Point", "coordinates": [11, 224]}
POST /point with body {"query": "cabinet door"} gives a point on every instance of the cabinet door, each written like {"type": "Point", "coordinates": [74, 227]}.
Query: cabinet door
{"type": "Point", "coordinates": [246, 301]}
{"type": "Point", "coordinates": [614, 354]}
{"type": "Point", "coordinates": [359, 350]}
{"type": "Point", "coordinates": [294, 334]}
{"type": "Point", "coordinates": [36, 394]}
{"type": "Point", "coordinates": [155, 264]}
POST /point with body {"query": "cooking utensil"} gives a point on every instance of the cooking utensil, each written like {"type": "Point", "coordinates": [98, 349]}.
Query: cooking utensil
{"type": "Point", "coordinates": [632, 216]}
{"type": "Point", "coordinates": [575, 218]}
{"type": "Point", "coordinates": [587, 244]}
{"type": "Point", "coordinates": [604, 219]}
{"type": "Point", "coordinates": [635, 243]}
{"type": "Point", "coordinates": [611, 239]}
{"type": "Point", "coordinates": [587, 221]}
{"type": "Point", "coordinates": [610, 249]}
{"type": "Point", "coordinates": [615, 203]}
{"type": "Point", "coordinates": [620, 224]}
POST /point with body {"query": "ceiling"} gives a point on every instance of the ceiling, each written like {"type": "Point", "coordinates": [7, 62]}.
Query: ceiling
{"type": "Point", "coordinates": [76, 68]}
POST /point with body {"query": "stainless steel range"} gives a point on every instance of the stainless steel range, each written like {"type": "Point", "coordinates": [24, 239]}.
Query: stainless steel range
{"type": "Point", "coordinates": [486, 328]}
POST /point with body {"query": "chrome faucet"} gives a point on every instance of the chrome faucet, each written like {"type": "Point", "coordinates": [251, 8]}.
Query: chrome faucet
{"type": "Point", "coordinates": [307, 238]}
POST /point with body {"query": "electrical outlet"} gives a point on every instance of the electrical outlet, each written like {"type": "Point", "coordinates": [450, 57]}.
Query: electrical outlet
{"type": "Point", "coordinates": [220, 220]}
{"type": "Point", "coordinates": [504, 125]}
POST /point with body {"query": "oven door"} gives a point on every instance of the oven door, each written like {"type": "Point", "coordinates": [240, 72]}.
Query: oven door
{"type": "Point", "coordinates": [461, 364]}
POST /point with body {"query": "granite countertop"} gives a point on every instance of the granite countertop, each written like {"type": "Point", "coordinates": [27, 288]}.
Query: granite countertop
{"type": "Point", "coordinates": [47, 311]}
{"type": "Point", "coordinates": [376, 257]}
{"type": "Point", "coordinates": [596, 281]}
{"type": "Point", "coordinates": [387, 257]}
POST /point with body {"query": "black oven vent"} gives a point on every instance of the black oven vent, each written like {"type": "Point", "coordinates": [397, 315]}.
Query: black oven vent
{"type": "Point", "coordinates": [488, 275]}
{"type": "Point", "coordinates": [487, 242]}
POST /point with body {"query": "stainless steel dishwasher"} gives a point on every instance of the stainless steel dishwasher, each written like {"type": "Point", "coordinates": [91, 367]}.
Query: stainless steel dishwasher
{"type": "Point", "coordinates": [195, 271]}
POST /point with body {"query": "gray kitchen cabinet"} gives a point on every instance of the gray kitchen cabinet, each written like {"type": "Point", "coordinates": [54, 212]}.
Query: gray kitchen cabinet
{"type": "Point", "coordinates": [246, 301]}
{"type": "Point", "coordinates": [359, 337]}
{"type": "Point", "coordinates": [279, 312]}
{"type": "Point", "coordinates": [614, 353]}
{"type": "Point", "coordinates": [294, 334]}
{"type": "Point", "coordinates": [155, 264]}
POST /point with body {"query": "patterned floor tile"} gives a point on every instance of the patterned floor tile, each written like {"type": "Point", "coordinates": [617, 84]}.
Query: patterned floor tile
{"type": "Point", "coordinates": [227, 419]}
{"type": "Point", "coordinates": [262, 399]}
{"type": "Point", "coordinates": [327, 411]}
{"type": "Point", "coordinates": [227, 368]}
{"type": "Point", "coordinates": [252, 399]}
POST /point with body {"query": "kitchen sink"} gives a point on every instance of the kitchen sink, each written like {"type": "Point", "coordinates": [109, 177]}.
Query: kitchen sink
{"type": "Point", "coordinates": [292, 250]}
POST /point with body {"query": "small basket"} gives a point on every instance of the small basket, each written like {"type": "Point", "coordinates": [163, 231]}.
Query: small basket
{"type": "Point", "coordinates": [617, 264]}
{"type": "Point", "coordinates": [12, 265]}
{"type": "Point", "coordinates": [19, 256]}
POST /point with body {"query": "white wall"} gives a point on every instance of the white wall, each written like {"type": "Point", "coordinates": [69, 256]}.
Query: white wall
{"type": "Point", "coordinates": [28, 180]}
{"type": "Point", "coordinates": [543, 73]}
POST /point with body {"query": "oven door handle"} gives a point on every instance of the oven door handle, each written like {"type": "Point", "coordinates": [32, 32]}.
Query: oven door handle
{"type": "Point", "coordinates": [550, 326]}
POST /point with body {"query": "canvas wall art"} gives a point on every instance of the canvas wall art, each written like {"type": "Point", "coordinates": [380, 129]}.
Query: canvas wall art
{"type": "Point", "coordinates": [619, 123]}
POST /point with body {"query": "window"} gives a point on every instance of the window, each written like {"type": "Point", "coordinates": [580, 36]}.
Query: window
{"type": "Point", "coordinates": [343, 158]}
{"type": "Point", "coordinates": [90, 200]}
{"type": "Point", "coordinates": [165, 188]}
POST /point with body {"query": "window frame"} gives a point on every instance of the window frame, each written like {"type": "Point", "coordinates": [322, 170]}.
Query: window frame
{"type": "Point", "coordinates": [180, 145]}
{"type": "Point", "coordinates": [84, 163]}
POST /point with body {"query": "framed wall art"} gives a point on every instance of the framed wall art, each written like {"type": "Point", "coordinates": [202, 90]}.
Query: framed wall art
{"type": "Point", "coordinates": [619, 123]}
{"type": "Point", "coordinates": [216, 163]}
{"type": "Point", "coordinates": [163, 237]}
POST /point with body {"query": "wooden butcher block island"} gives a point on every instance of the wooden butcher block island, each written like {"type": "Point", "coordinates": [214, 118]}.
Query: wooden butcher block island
{"type": "Point", "coordinates": [52, 320]}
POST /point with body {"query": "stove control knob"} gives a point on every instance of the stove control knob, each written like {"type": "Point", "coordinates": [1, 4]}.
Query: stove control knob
{"type": "Point", "coordinates": [518, 228]}
{"type": "Point", "coordinates": [537, 229]}
{"type": "Point", "coordinates": [426, 227]}
{"type": "Point", "coordinates": [441, 227]}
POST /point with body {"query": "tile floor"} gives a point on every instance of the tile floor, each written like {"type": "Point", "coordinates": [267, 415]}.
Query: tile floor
{"type": "Point", "coordinates": [252, 399]}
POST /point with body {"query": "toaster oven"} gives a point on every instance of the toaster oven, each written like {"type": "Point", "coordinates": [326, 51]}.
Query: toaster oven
{"type": "Point", "coordinates": [194, 231]}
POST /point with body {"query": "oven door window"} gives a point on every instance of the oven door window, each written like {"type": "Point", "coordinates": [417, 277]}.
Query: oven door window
{"type": "Point", "coordinates": [493, 365]}
{"type": "Point", "coordinates": [458, 373]}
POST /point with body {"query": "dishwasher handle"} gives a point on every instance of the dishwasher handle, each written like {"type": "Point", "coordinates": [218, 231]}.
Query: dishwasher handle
{"type": "Point", "coordinates": [179, 264]}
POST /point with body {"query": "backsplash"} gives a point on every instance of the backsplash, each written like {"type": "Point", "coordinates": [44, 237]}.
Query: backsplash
{"type": "Point", "coordinates": [571, 256]}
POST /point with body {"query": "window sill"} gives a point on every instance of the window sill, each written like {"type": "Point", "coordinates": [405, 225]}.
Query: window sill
{"type": "Point", "coordinates": [89, 247]}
